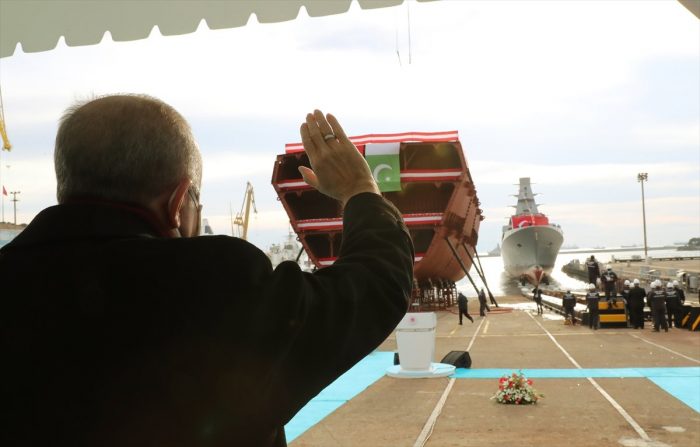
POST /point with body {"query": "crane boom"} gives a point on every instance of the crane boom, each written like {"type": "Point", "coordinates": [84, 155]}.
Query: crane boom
{"type": "Point", "coordinates": [242, 219]}
{"type": "Point", "coordinates": [6, 146]}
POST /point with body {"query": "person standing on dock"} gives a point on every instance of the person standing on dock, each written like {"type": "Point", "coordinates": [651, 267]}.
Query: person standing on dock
{"type": "Point", "coordinates": [121, 327]}
{"type": "Point", "coordinates": [609, 282]}
{"type": "Point", "coordinates": [625, 294]}
{"type": "Point", "coordinates": [673, 306]}
{"type": "Point", "coordinates": [483, 305]}
{"type": "Point", "coordinates": [463, 308]}
{"type": "Point", "coordinates": [636, 305]}
{"type": "Point", "coordinates": [681, 302]}
{"type": "Point", "coordinates": [657, 303]}
{"type": "Point", "coordinates": [569, 305]}
{"type": "Point", "coordinates": [593, 269]}
{"type": "Point", "coordinates": [592, 300]}
{"type": "Point", "coordinates": [680, 292]}
{"type": "Point", "coordinates": [537, 297]}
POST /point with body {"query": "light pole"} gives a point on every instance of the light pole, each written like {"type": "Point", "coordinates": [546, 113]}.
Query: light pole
{"type": "Point", "coordinates": [641, 178]}
{"type": "Point", "coordinates": [3, 191]}
{"type": "Point", "coordinates": [15, 199]}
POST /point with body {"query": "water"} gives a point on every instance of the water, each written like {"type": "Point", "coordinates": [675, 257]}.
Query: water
{"type": "Point", "coordinates": [7, 235]}
{"type": "Point", "coordinates": [500, 284]}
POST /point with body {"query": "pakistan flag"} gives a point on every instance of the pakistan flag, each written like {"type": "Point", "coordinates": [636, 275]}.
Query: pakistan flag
{"type": "Point", "coordinates": [383, 161]}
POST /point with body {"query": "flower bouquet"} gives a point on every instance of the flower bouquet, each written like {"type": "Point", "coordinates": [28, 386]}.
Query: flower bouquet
{"type": "Point", "coordinates": [516, 389]}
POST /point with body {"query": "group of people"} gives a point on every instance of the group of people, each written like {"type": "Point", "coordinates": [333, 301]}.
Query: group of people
{"type": "Point", "coordinates": [464, 307]}
{"type": "Point", "coordinates": [666, 304]}
{"type": "Point", "coordinates": [608, 279]}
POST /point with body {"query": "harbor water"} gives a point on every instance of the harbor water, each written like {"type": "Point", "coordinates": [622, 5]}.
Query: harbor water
{"type": "Point", "coordinates": [7, 235]}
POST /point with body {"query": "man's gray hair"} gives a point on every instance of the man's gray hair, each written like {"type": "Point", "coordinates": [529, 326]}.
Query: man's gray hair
{"type": "Point", "coordinates": [127, 148]}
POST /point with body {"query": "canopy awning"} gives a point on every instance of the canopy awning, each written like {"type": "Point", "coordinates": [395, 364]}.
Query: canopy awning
{"type": "Point", "coordinates": [38, 24]}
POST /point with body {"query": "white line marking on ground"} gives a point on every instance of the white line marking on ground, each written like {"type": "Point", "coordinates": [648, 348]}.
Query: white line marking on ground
{"type": "Point", "coordinates": [664, 347]}
{"type": "Point", "coordinates": [540, 334]}
{"type": "Point", "coordinates": [673, 429]}
{"type": "Point", "coordinates": [636, 442]}
{"type": "Point", "coordinates": [430, 423]}
{"type": "Point", "coordinates": [640, 431]}
{"type": "Point", "coordinates": [551, 337]}
{"type": "Point", "coordinates": [471, 343]}
{"type": "Point", "coordinates": [486, 328]}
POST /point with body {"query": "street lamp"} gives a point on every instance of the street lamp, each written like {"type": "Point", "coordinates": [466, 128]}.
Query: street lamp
{"type": "Point", "coordinates": [15, 200]}
{"type": "Point", "coordinates": [641, 178]}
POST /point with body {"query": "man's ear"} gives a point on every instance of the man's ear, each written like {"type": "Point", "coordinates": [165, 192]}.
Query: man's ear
{"type": "Point", "coordinates": [177, 198]}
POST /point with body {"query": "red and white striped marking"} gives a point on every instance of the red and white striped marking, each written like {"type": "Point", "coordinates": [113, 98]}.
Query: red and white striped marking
{"type": "Point", "coordinates": [320, 224]}
{"type": "Point", "coordinates": [404, 137]}
{"type": "Point", "coordinates": [406, 176]}
{"type": "Point", "coordinates": [337, 223]}
{"type": "Point", "coordinates": [325, 262]}
{"type": "Point", "coordinates": [420, 219]}
{"type": "Point", "coordinates": [435, 174]}
{"type": "Point", "coordinates": [293, 184]}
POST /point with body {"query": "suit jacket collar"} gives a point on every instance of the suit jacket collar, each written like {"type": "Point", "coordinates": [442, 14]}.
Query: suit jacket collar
{"type": "Point", "coordinates": [84, 220]}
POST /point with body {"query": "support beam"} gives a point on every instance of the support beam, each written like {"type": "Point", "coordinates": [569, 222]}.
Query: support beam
{"type": "Point", "coordinates": [480, 271]}
{"type": "Point", "coordinates": [461, 264]}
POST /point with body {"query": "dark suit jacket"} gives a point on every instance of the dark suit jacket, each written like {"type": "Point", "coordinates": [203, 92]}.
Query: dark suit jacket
{"type": "Point", "coordinates": [637, 295]}
{"type": "Point", "coordinates": [462, 301]}
{"type": "Point", "coordinates": [113, 336]}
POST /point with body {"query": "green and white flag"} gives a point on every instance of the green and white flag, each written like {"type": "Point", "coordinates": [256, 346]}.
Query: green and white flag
{"type": "Point", "coordinates": [383, 161]}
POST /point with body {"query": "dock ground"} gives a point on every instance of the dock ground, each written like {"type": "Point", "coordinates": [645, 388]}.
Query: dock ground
{"type": "Point", "coordinates": [605, 410]}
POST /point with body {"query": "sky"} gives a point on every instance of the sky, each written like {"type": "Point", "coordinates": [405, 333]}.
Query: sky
{"type": "Point", "coordinates": [579, 96]}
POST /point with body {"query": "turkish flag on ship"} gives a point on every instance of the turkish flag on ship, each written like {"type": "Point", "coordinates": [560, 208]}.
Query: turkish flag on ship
{"type": "Point", "coordinates": [4, 191]}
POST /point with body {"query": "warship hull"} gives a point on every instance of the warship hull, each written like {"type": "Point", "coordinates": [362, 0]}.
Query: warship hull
{"type": "Point", "coordinates": [530, 243]}
{"type": "Point", "coordinates": [530, 253]}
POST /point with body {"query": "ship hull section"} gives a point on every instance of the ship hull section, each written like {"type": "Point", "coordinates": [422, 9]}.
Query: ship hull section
{"type": "Point", "coordinates": [530, 253]}
{"type": "Point", "coordinates": [437, 199]}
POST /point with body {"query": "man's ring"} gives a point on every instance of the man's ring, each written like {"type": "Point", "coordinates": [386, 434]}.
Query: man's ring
{"type": "Point", "coordinates": [330, 136]}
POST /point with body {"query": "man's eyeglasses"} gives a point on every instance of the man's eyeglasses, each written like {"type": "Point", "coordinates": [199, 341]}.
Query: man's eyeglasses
{"type": "Point", "coordinates": [197, 205]}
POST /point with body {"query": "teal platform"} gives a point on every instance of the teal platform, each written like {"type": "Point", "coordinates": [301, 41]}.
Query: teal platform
{"type": "Point", "coordinates": [683, 383]}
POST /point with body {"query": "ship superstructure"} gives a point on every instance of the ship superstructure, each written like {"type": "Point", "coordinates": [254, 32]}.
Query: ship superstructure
{"type": "Point", "coordinates": [289, 250]}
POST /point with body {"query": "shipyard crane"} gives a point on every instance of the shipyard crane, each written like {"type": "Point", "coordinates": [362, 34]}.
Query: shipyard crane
{"type": "Point", "coordinates": [6, 146]}
{"type": "Point", "coordinates": [243, 217]}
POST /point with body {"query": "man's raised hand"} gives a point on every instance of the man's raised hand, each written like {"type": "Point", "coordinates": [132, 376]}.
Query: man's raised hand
{"type": "Point", "coordinates": [338, 170]}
